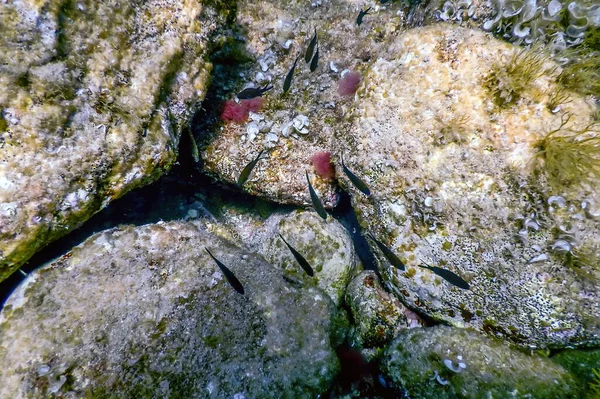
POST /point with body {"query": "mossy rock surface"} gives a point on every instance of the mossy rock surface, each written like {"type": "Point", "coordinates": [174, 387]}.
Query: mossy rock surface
{"type": "Point", "coordinates": [460, 183]}
{"type": "Point", "coordinates": [144, 312]}
{"type": "Point", "coordinates": [93, 97]}
{"type": "Point", "coordinates": [483, 367]}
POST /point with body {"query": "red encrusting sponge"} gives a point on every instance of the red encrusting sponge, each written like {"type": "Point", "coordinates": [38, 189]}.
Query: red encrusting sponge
{"type": "Point", "coordinates": [321, 161]}
{"type": "Point", "coordinates": [238, 113]}
{"type": "Point", "coordinates": [348, 85]}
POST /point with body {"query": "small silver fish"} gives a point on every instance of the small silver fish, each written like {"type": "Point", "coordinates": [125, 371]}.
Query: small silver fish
{"type": "Point", "coordinates": [389, 255]}
{"type": "Point", "coordinates": [311, 48]}
{"type": "Point", "coordinates": [299, 258]}
{"type": "Point", "coordinates": [315, 61]}
{"type": "Point", "coordinates": [315, 200]}
{"type": "Point", "coordinates": [358, 183]}
{"type": "Point", "coordinates": [231, 278]}
{"type": "Point", "coordinates": [361, 15]}
{"type": "Point", "coordinates": [252, 92]}
{"type": "Point", "coordinates": [449, 276]}
{"type": "Point", "coordinates": [287, 83]}
{"type": "Point", "coordinates": [195, 153]}
{"type": "Point", "coordinates": [248, 169]}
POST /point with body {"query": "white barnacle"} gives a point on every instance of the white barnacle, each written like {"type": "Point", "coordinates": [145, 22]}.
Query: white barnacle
{"type": "Point", "coordinates": [558, 200]}
{"type": "Point", "coordinates": [540, 258]}
{"type": "Point", "coordinates": [450, 366]}
{"type": "Point", "coordinates": [562, 245]}
{"type": "Point", "coordinates": [439, 379]}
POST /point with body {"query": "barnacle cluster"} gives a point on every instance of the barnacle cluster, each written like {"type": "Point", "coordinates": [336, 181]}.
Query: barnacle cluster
{"type": "Point", "coordinates": [570, 156]}
{"type": "Point", "coordinates": [508, 81]}
{"type": "Point", "coordinates": [561, 23]}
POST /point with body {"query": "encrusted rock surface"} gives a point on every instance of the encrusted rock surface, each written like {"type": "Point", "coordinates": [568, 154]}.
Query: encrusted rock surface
{"type": "Point", "coordinates": [458, 182]}
{"type": "Point", "coordinates": [378, 316]}
{"type": "Point", "coordinates": [445, 362]}
{"type": "Point", "coordinates": [292, 127]}
{"type": "Point", "coordinates": [145, 312]}
{"type": "Point", "coordinates": [326, 245]}
{"type": "Point", "coordinates": [93, 97]}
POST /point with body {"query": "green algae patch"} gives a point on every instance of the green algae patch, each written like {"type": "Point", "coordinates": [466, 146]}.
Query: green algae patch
{"type": "Point", "coordinates": [570, 156]}
{"type": "Point", "coordinates": [509, 81]}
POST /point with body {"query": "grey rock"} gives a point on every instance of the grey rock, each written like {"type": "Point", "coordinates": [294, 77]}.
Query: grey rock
{"type": "Point", "coordinates": [142, 312]}
{"type": "Point", "coordinates": [326, 245]}
{"type": "Point", "coordinates": [93, 98]}
{"type": "Point", "coordinates": [446, 362]}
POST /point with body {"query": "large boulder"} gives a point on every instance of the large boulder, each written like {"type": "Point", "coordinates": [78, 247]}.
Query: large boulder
{"type": "Point", "coordinates": [145, 312]}
{"type": "Point", "coordinates": [482, 164]}
{"type": "Point", "coordinates": [296, 126]}
{"type": "Point", "coordinates": [93, 98]}
{"type": "Point", "coordinates": [445, 362]}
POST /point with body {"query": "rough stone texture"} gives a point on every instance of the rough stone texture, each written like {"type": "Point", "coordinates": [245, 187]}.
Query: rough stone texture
{"type": "Point", "coordinates": [144, 312]}
{"type": "Point", "coordinates": [379, 316]}
{"type": "Point", "coordinates": [277, 32]}
{"type": "Point", "coordinates": [492, 368]}
{"type": "Point", "coordinates": [93, 96]}
{"type": "Point", "coordinates": [326, 245]}
{"type": "Point", "coordinates": [452, 182]}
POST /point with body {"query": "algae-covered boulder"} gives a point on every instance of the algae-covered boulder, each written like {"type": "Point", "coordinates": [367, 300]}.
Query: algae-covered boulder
{"type": "Point", "coordinates": [445, 362]}
{"type": "Point", "coordinates": [481, 163]}
{"type": "Point", "coordinates": [93, 97]}
{"type": "Point", "coordinates": [145, 312]}
{"type": "Point", "coordinates": [378, 316]}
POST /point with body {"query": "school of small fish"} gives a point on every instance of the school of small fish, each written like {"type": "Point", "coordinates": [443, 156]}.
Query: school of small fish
{"type": "Point", "coordinates": [311, 56]}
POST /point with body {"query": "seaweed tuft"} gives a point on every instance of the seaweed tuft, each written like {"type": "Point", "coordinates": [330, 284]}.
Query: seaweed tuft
{"type": "Point", "coordinates": [569, 156]}
{"type": "Point", "coordinates": [508, 81]}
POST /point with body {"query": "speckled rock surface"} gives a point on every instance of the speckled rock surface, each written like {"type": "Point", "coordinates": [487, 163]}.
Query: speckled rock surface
{"type": "Point", "coordinates": [144, 312]}
{"type": "Point", "coordinates": [293, 127]}
{"type": "Point", "coordinates": [491, 367]}
{"type": "Point", "coordinates": [378, 316]}
{"type": "Point", "coordinates": [458, 182]}
{"type": "Point", "coordinates": [326, 245]}
{"type": "Point", "coordinates": [93, 97]}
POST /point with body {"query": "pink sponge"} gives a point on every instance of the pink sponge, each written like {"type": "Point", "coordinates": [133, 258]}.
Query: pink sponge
{"type": "Point", "coordinates": [234, 112]}
{"type": "Point", "coordinates": [238, 113]}
{"type": "Point", "coordinates": [348, 85]}
{"type": "Point", "coordinates": [322, 163]}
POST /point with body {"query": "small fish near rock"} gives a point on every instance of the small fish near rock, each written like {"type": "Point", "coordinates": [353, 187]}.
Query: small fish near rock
{"type": "Point", "coordinates": [299, 258]}
{"type": "Point", "coordinates": [253, 92]}
{"type": "Point", "coordinates": [287, 83]}
{"type": "Point", "coordinates": [311, 48]}
{"type": "Point", "coordinates": [449, 276]}
{"type": "Point", "coordinates": [361, 15]}
{"type": "Point", "coordinates": [315, 199]}
{"type": "Point", "coordinates": [231, 278]}
{"type": "Point", "coordinates": [248, 169]}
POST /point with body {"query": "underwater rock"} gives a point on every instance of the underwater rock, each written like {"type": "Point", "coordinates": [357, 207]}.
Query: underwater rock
{"type": "Point", "coordinates": [378, 315]}
{"type": "Point", "coordinates": [446, 362]}
{"type": "Point", "coordinates": [93, 98]}
{"type": "Point", "coordinates": [326, 245]}
{"type": "Point", "coordinates": [296, 125]}
{"type": "Point", "coordinates": [465, 152]}
{"type": "Point", "coordinates": [145, 312]}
